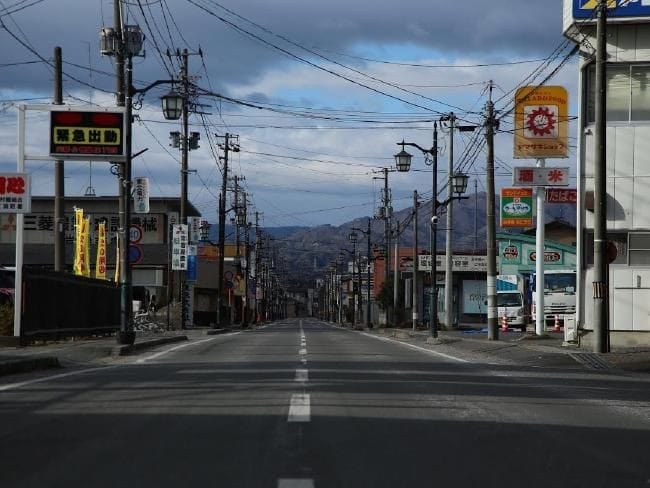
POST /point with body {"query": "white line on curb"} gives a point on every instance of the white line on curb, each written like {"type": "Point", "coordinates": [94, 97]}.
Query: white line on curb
{"type": "Point", "coordinates": [299, 408]}
{"type": "Point", "coordinates": [418, 348]}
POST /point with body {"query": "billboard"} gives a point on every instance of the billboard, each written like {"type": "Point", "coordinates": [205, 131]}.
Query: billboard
{"type": "Point", "coordinates": [586, 9]}
{"type": "Point", "coordinates": [541, 122]}
{"type": "Point", "coordinates": [88, 135]}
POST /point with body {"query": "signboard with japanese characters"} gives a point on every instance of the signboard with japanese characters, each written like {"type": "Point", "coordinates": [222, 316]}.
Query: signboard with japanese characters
{"type": "Point", "coordinates": [510, 252]}
{"type": "Point", "coordinates": [141, 195]}
{"type": "Point", "coordinates": [541, 122]}
{"type": "Point", "coordinates": [516, 207]}
{"type": "Point", "coordinates": [561, 195]}
{"type": "Point", "coordinates": [459, 262]}
{"type": "Point", "coordinates": [179, 247]}
{"type": "Point", "coordinates": [194, 225]}
{"type": "Point", "coordinates": [15, 193]}
{"type": "Point", "coordinates": [39, 227]}
{"type": "Point", "coordinates": [88, 135]}
{"type": "Point", "coordinates": [536, 176]}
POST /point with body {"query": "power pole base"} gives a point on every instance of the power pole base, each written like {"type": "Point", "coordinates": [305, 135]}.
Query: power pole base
{"type": "Point", "coordinates": [126, 337]}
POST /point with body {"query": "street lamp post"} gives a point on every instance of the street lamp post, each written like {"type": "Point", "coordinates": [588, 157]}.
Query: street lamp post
{"type": "Point", "coordinates": [458, 185]}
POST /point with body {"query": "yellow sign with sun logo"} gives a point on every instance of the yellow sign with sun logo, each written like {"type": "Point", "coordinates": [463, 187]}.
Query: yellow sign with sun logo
{"type": "Point", "coordinates": [541, 122]}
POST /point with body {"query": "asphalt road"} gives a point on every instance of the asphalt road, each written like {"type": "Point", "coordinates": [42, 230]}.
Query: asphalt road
{"type": "Point", "coordinates": [301, 404]}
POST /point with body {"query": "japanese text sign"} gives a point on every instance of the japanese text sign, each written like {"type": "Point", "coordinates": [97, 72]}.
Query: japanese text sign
{"type": "Point", "coordinates": [80, 134]}
{"type": "Point", "coordinates": [536, 176]}
{"type": "Point", "coordinates": [141, 195]}
{"type": "Point", "coordinates": [561, 195]}
{"type": "Point", "coordinates": [179, 247]}
{"type": "Point", "coordinates": [516, 207]}
{"type": "Point", "coordinates": [541, 122]}
{"type": "Point", "coordinates": [15, 193]}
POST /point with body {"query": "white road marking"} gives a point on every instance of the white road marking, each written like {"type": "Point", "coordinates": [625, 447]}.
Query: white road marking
{"type": "Point", "coordinates": [302, 351]}
{"type": "Point", "coordinates": [299, 408]}
{"type": "Point", "coordinates": [302, 375]}
{"type": "Point", "coordinates": [14, 386]}
{"type": "Point", "coordinates": [295, 483]}
{"type": "Point", "coordinates": [418, 348]}
{"type": "Point", "coordinates": [303, 360]}
{"type": "Point", "coordinates": [176, 348]}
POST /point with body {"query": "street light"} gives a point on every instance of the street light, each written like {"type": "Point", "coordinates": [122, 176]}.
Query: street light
{"type": "Point", "coordinates": [458, 182]}
{"type": "Point", "coordinates": [172, 105]}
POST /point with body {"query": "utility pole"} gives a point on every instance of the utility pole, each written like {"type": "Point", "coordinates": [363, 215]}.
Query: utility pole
{"type": "Point", "coordinates": [601, 281]}
{"type": "Point", "coordinates": [185, 320]}
{"type": "Point", "coordinates": [227, 147]}
{"type": "Point", "coordinates": [449, 281]}
{"type": "Point", "coordinates": [433, 298]}
{"type": "Point", "coordinates": [59, 175]}
{"type": "Point", "coordinates": [369, 261]}
{"type": "Point", "coordinates": [415, 260]}
{"type": "Point", "coordinates": [396, 276]}
{"type": "Point", "coordinates": [493, 329]}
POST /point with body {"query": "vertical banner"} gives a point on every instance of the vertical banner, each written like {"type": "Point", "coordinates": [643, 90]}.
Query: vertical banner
{"type": "Point", "coordinates": [541, 122]}
{"type": "Point", "coordinates": [192, 252]}
{"type": "Point", "coordinates": [100, 264]}
{"type": "Point", "coordinates": [78, 223]}
{"type": "Point", "coordinates": [141, 195]}
{"type": "Point", "coordinates": [85, 247]}
{"type": "Point", "coordinates": [194, 225]}
{"type": "Point", "coordinates": [179, 247]}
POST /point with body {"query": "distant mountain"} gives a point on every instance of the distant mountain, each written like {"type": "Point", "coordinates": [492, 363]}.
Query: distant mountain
{"type": "Point", "coordinates": [308, 251]}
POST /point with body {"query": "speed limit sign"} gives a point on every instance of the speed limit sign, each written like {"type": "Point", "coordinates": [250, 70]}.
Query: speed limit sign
{"type": "Point", "coordinates": [135, 233]}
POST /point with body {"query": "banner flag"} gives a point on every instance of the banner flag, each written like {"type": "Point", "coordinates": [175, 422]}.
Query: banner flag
{"type": "Point", "coordinates": [78, 222]}
{"type": "Point", "coordinates": [100, 264]}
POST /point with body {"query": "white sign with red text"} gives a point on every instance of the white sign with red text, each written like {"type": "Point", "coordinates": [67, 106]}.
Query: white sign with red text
{"type": "Point", "coordinates": [536, 176]}
{"type": "Point", "coordinates": [15, 193]}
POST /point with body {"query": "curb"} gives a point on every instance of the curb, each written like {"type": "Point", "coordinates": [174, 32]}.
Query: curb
{"type": "Point", "coordinates": [14, 366]}
{"type": "Point", "coordinates": [139, 346]}
{"type": "Point", "coordinates": [217, 331]}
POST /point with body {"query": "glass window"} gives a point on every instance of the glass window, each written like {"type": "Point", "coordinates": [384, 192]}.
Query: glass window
{"type": "Point", "coordinates": [640, 92]}
{"type": "Point", "coordinates": [640, 240]}
{"type": "Point", "coordinates": [628, 94]}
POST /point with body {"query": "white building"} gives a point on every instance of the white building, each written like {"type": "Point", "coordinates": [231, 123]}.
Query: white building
{"type": "Point", "coordinates": [628, 164]}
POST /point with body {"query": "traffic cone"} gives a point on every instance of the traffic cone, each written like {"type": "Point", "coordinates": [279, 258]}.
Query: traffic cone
{"type": "Point", "coordinates": [504, 323]}
{"type": "Point", "coordinates": [556, 327]}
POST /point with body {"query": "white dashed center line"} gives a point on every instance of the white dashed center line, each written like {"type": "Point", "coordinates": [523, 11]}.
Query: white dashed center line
{"type": "Point", "coordinates": [295, 483]}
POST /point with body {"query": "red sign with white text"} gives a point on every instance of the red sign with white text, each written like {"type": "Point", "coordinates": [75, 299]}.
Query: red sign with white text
{"type": "Point", "coordinates": [15, 193]}
{"type": "Point", "coordinates": [561, 195]}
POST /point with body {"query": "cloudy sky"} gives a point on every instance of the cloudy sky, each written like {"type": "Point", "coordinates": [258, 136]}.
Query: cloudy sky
{"type": "Point", "coordinates": [319, 92]}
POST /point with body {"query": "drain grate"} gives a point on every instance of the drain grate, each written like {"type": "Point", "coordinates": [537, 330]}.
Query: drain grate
{"type": "Point", "coordinates": [591, 360]}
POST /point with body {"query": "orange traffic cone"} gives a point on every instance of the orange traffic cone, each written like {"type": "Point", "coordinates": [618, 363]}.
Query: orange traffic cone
{"type": "Point", "coordinates": [556, 327]}
{"type": "Point", "coordinates": [504, 323]}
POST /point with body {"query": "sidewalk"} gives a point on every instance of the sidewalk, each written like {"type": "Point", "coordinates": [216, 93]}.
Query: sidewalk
{"type": "Point", "coordinates": [524, 349]}
{"type": "Point", "coordinates": [87, 352]}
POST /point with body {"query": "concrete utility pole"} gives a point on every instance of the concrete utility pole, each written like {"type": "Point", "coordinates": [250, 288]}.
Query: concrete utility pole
{"type": "Point", "coordinates": [185, 320]}
{"type": "Point", "coordinates": [601, 279]}
{"type": "Point", "coordinates": [369, 258]}
{"type": "Point", "coordinates": [227, 146]}
{"type": "Point", "coordinates": [433, 299]}
{"type": "Point", "coordinates": [449, 277]}
{"type": "Point", "coordinates": [415, 261]}
{"type": "Point", "coordinates": [396, 276]}
{"type": "Point", "coordinates": [59, 174]}
{"type": "Point", "coordinates": [493, 329]}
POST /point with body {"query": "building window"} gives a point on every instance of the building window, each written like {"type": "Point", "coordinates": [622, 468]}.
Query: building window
{"type": "Point", "coordinates": [628, 95]}
{"type": "Point", "coordinates": [639, 248]}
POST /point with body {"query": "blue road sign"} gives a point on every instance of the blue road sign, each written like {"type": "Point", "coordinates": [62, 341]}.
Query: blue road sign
{"type": "Point", "coordinates": [135, 254]}
{"type": "Point", "coordinates": [584, 9]}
